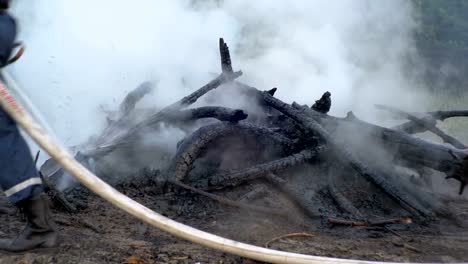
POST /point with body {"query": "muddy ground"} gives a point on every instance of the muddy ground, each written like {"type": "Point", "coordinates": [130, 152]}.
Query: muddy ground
{"type": "Point", "coordinates": [99, 233]}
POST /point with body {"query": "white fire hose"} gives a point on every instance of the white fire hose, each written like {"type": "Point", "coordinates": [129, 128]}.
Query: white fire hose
{"type": "Point", "coordinates": [99, 187]}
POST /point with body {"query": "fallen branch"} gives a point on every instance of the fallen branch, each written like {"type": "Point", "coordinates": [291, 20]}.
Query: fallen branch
{"type": "Point", "coordinates": [347, 157]}
{"type": "Point", "coordinates": [192, 147]}
{"type": "Point", "coordinates": [431, 117]}
{"type": "Point", "coordinates": [293, 195]}
{"type": "Point", "coordinates": [222, 200]}
{"type": "Point", "coordinates": [341, 200]}
{"type": "Point", "coordinates": [235, 178]}
{"type": "Point", "coordinates": [426, 125]}
{"type": "Point", "coordinates": [404, 221]}
{"type": "Point", "coordinates": [452, 162]}
{"type": "Point", "coordinates": [220, 113]}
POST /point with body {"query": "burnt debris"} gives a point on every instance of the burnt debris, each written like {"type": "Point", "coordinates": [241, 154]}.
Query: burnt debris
{"type": "Point", "coordinates": [230, 150]}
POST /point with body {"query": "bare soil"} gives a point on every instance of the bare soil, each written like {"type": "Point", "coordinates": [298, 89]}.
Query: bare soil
{"type": "Point", "coordinates": [100, 233]}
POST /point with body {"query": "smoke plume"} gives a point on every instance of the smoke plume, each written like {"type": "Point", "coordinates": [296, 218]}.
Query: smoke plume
{"type": "Point", "coordinates": [85, 54]}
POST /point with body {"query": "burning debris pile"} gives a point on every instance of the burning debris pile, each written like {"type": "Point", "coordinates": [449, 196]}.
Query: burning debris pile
{"type": "Point", "coordinates": [370, 175]}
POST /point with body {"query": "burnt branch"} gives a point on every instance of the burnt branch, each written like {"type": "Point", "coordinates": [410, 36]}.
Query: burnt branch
{"type": "Point", "coordinates": [134, 96]}
{"type": "Point", "coordinates": [426, 125]}
{"type": "Point", "coordinates": [293, 195]}
{"type": "Point", "coordinates": [226, 64]}
{"type": "Point", "coordinates": [341, 200]}
{"type": "Point", "coordinates": [238, 177]}
{"type": "Point", "coordinates": [412, 127]}
{"type": "Point", "coordinates": [452, 162]}
{"type": "Point", "coordinates": [220, 113]}
{"type": "Point", "coordinates": [116, 137]}
{"type": "Point", "coordinates": [346, 156]}
{"type": "Point", "coordinates": [401, 221]}
{"type": "Point", "coordinates": [442, 115]}
{"type": "Point", "coordinates": [193, 146]}
{"type": "Point", "coordinates": [225, 201]}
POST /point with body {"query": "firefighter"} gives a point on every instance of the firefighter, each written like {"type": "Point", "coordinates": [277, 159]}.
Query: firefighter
{"type": "Point", "coordinates": [19, 178]}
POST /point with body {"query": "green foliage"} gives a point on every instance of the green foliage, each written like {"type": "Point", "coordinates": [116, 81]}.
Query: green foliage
{"type": "Point", "coordinates": [443, 22]}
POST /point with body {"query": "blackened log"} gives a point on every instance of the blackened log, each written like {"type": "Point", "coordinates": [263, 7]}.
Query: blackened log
{"type": "Point", "coordinates": [255, 194]}
{"type": "Point", "coordinates": [225, 201]}
{"type": "Point", "coordinates": [341, 200]}
{"type": "Point", "coordinates": [442, 115]}
{"type": "Point", "coordinates": [346, 156]}
{"type": "Point", "coordinates": [111, 139]}
{"type": "Point", "coordinates": [134, 96]}
{"type": "Point", "coordinates": [220, 113]}
{"type": "Point", "coordinates": [453, 162]}
{"type": "Point", "coordinates": [193, 97]}
{"type": "Point", "coordinates": [226, 64]}
{"type": "Point", "coordinates": [404, 221]}
{"type": "Point", "coordinates": [450, 161]}
{"type": "Point", "coordinates": [323, 105]}
{"type": "Point", "coordinates": [192, 147]}
{"type": "Point", "coordinates": [426, 125]}
{"type": "Point", "coordinates": [291, 193]}
{"type": "Point", "coordinates": [412, 127]}
{"type": "Point", "coordinates": [238, 177]}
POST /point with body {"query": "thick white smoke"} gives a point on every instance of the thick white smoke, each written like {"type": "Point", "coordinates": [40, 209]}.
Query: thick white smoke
{"type": "Point", "coordinates": [82, 54]}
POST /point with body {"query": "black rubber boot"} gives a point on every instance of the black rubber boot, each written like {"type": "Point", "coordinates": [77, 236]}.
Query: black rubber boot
{"type": "Point", "coordinates": [39, 232]}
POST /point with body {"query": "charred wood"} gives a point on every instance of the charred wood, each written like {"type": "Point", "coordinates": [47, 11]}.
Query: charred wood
{"type": "Point", "coordinates": [453, 162]}
{"type": "Point", "coordinates": [404, 221]}
{"type": "Point", "coordinates": [225, 201]}
{"type": "Point", "coordinates": [192, 147]}
{"type": "Point", "coordinates": [220, 113]}
{"type": "Point", "coordinates": [254, 194]}
{"type": "Point", "coordinates": [118, 135]}
{"type": "Point", "coordinates": [426, 125]}
{"type": "Point", "coordinates": [56, 196]}
{"type": "Point", "coordinates": [134, 96]}
{"type": "Point", "coordinates": [323, 104]}
{"type": "Point", "coordinates": [340, 199]}
{"type": "Point", "coordinates": [226, 65]}
{"type": "Point", "coordinates": [442, 115]}
{"type": "Point", "coordinates": [412, 127]}
{"type": "Point", "coordinates": [292, 194]}
{"type": "Point", "coordinates": [238, 177]}
{"type": "Point", "coordinates": [310, 122]}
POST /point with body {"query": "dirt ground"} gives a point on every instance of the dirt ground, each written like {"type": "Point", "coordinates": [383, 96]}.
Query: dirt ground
{"type": "Point", "coordinates": [100, 233]}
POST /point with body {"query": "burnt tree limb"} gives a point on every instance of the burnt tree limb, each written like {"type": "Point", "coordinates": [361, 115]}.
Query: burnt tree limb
{"type": "Point", "coordinates": [132, 98]}
{"type": "Point", "coordinates": [194, 145]}
{"type": "Point", "coordinates": [340, 199]}
{"type": "Point", "coordinates": [346, 156]}
{"type": "Point", "coordinates": [118, 136]}
{"type": "Point", "coordinates": [112, 138]}
{"type": "Point", "coordinates": [291, 193]}
{"type": "Point", "coordinates": [451, 161]}
{"type": "Point", "coordinates": [432, 117]}
{"type": "Point", "coordinates": [226, 64]}
{"type": "Point", "coordinates": [404, 221]}
{"type": "Point", "coordinates": [228, 202]}
{"type": "Point", "coordinates": [411, 127]}
{"type": "Point", "coordinates": [237, 177]}
{"type": "Point", "coordinates": [220, 113]}
{"type": "Point", "coordinates": [426, 125]}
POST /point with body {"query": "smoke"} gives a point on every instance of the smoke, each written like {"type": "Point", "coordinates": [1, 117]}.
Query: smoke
{"type": "Point", "coordinates": [83, 54]}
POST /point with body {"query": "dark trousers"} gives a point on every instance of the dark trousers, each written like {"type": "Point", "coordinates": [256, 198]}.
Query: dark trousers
{"type": "Point", "coordinates": [19, 178]}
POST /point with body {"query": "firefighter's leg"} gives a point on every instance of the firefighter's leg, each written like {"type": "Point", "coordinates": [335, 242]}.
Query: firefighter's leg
{"type": "Point", "coordinates": [21, 183]}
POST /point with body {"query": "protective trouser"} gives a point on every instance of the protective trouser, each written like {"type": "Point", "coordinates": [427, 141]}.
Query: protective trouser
{"type": "Point", "coordinates": [19, 178]}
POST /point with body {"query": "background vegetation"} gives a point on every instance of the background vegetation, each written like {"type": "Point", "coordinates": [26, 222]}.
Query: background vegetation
{"type": "Point", "coordinates": [442, 40]}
